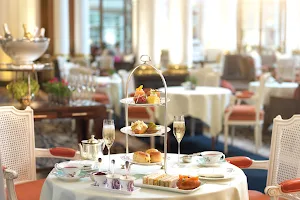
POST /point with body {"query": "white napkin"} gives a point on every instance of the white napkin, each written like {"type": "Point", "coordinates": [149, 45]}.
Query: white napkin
{"type": "Point", "coordinates": [212, 172]}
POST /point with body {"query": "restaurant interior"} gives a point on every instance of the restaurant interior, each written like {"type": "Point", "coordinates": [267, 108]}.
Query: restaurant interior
{"type": "Point", "coordinates": [149, 99]}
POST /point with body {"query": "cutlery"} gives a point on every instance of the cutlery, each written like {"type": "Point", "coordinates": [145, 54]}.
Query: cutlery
{"type": "Point", "coordinates": [113, 166]}
{"type": "Point", "coordinates": [127, 165]}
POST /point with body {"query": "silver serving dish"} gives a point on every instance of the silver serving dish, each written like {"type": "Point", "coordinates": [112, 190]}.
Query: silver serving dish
{"type": "Point", "coordinates": [23, 51]}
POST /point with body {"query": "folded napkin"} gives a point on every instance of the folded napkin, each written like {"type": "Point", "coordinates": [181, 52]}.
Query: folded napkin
{"type": "Point", "coordinates": [212, 173]}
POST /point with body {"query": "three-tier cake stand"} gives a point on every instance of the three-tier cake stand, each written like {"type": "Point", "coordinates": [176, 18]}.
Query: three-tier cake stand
{"type": "Point", "coordinates": [128, 101]}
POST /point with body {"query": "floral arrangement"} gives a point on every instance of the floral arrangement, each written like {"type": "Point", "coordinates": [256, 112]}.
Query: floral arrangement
{"type": "Point", "coordinates": [58, 88]}
{"type": "Point", "coordinates": [191, 79]}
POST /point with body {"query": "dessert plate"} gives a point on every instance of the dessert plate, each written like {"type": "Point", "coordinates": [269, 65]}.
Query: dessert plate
{"type": "Point", "coordinates": [130, 159]}
{"type": "Point", "coordinates": [139, 183]}
{"type": "Point", "coordinates": [216, 173]}
{"type": "Point", "coordinates": [105, 189]}
{"type": "Point", "coordinates": [202, 163]}
{"type": "Point", "coordinates": [131, 102]}
{"type": "Point", "coordinates": [62, 176]}
{"type": "Point", "coordinates": [160, 131]}
{"type": "Point", "coordinates": [88, 165]}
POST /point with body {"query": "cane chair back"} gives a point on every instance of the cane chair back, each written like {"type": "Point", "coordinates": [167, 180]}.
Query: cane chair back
{"type": "Point", "coordinates": [17, 142]}
{"type": "Point", "coordinates": [285, 156]}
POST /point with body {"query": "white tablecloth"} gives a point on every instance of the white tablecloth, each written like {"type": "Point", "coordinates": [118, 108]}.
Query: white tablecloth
{"type": "Point", "coordinates": [205, 103]}
{"type": "Point", "coordinates": [285, 89]}
{"type": "Point", "coordinates": [231, 189]}
{"type": "Point", "coordinates": [116, 89]}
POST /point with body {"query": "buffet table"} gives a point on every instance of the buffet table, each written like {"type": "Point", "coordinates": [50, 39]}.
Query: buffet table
{"type": "Point", "coordinates": [205, 103]}
{"type": "Point", "coordinates": [285, 89]}
{"type": "Point", "coordinates": [235, 188]}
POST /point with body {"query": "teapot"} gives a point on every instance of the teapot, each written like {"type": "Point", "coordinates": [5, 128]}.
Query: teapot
{"type": "Point", "coordinates": [92, 148]}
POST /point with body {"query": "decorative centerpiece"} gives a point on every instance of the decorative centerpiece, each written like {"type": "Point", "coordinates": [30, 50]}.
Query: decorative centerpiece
{"type": "Point", "coordinates": [58, 91]}
{"type": "Point", "coordinates": [20, 91]}
{"type": "Point", "coordinates": [190, 83]}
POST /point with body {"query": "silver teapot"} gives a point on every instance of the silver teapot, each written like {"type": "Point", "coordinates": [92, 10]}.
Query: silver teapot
{"type": "Point", "coordinates": [92, 148]}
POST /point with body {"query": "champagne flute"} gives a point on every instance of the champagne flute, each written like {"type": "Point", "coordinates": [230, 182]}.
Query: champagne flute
{"type": "Point", "coordinates": [179, 131]}
{"type": "Point", "coordinates": [108, 134]}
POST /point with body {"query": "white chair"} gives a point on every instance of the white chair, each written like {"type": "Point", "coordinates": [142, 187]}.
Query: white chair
{"type": "Point", "coordinates": [246, 115]}
{"type": "Point", "coordinates": [18, 152]}
{"type": "Point", "coordinates": [283, 180]}
{"type": "Point", "coordinates": [131, 85]}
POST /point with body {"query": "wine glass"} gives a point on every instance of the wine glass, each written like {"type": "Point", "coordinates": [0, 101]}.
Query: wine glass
{"type": "Point", "coordinates": [108, 134]}
{"type": "Point", "coordinates": [178, 131]}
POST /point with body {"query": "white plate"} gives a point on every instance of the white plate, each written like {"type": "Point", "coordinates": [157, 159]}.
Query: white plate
{"type": "Point", "coordinates": [62, 176]}
{"type": "Point", "coordinates": [88, 165]}
{"type": "Point", "coordinates": [139, 183]}
{"type": "Point", "coordinates": [228, 174]}
{"type": "Point", "coordinates": [130, 159]}
{"type": "Point", "coordinates": [104, 188]}
{"type": "Point", "coordinates": [160, 128]}
{"type": "Point", "coordinates": [131, 102]}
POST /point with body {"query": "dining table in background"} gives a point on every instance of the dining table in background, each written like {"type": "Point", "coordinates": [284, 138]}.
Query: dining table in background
{"type": "Point", "coordinates": [204, 103]}
{"type": "Point", "coordinates": [115, 89]}
{"type": "Point", "coordinates": [275, 89]}
{"type": "Point", "coordinates": [234, 188]}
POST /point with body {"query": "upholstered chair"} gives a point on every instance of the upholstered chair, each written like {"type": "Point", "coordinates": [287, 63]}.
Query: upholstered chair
{"type": "Point", "coordinates": [18, 153]}
{"type": "Point", "coordinates": [283, 180]}
{"type": "Point", "coordinates": [246, 115]}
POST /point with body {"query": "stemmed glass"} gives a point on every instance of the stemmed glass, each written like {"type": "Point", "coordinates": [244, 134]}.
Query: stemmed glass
{"type": "Point", "coordinates": [179, 131]}
{"type": "Point", "coordinates": [108, 134]}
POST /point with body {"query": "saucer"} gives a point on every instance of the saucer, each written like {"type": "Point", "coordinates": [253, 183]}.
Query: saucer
{"type": "Point", "coordinates": [61, 175]}
{"type": "Point", "coordinates": [202, 163]}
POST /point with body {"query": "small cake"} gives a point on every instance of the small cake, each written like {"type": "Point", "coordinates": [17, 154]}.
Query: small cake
{"type": "Point", "coordinates": [152, 128]}
{"type": "Point", "coordinates": [188, 182]}
{"type": "Point", "coordinates": [140, 96]}
{"type": "Point", "coordinates": [139, 127]}
{"type": "Point", "coordinates": [141, 157]}
{"type": "Point", "coordinates": [153, 98]}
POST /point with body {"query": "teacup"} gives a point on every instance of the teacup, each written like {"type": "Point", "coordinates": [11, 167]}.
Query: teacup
{"type": "Point", "coordinates": [212, 157]}
{"type": "Point", "coordinates": [70, 170]}
{"type": "Point", "coordinates": [127, 183]}
{"type": "Point", "coordinates": [113, 181]}
{"type": "Point", "coordinates": [100, 178]}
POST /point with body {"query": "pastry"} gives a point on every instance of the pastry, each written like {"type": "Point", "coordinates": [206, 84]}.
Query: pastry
{"type": "Point", "coordinates": [141, 157]}
{"type": "Point", "coordinates": [163, 180]}
{"type": "Point", "coordinates": [155, 156]}
{"type": "Point", "coordinates": [151, 91]}
{"type": "Point", "coordinates": [188, 182]}
{"type": "Point", "coordinates": [152, 128]}
{"type": "Point", "coordinates": [139, 127]}
{"type": "Point", "coordinates": [140, 96]}
{"type": "Point", "coordinates": [151, 150]}
{"type": "Point", "coordinates": [153, 98]}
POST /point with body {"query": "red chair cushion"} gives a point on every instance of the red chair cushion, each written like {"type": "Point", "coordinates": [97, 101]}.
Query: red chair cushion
{"type": "Point", "coordinates": [101, 98]}
{"type": "Point", "coordinates": [290, 185]}
{"type": "Point", "coordinates": [256, 195]}
{"type": "Point", "coordinates": [30, 190]}
{"type": "Point", "coordinates": [228, 85]}
{"type": "Point", "coordinates": [137, 112]}
{"type": "Point", "coordinates": [63, 151]}
{"type": "Point", "coordinates": [240, 161]}
{"type": "Point", "coordinates": [244, 112]}
{"type": "Point", "coordinates": [244, 94]}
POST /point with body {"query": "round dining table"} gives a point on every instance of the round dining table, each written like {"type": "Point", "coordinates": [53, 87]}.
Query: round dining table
{"type": "Point", "coordinates": [205, 103]}
{"type": "Point", "coordinates": [276, 89]}
{"type": "Point", "coordinates": [233, 188]}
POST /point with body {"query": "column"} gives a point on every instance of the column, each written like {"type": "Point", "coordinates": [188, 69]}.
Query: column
{"type": "Point", "coordinates": [61, 28]}
{"type": "Point", "coordinates": [82, 28]}
{"type": "Point", "coordinates": [181, 32]}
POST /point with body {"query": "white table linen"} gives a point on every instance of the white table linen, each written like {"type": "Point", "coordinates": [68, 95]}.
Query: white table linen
{"type": "Point", "coordinates": [205, 103]}
{"type": "Point", "coordinates": [235, 188]}
{"type": "Point", "coordinates": [116, 90]}
{"type": "Point", "coordinates": [285, 89]}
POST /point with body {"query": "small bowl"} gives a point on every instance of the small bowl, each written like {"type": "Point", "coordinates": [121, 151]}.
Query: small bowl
{"type": "Point", "coordinates": [187, 158]}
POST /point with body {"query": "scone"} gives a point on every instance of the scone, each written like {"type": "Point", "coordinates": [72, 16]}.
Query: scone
{"type": "Point", "coordinates": [141, 157]}
{"type": "Point", "coordinates": [151, 150]}
{"type": "Point", "coordinates": [139, 127]}
{"type": "Point", "coordinates": [155, 156]}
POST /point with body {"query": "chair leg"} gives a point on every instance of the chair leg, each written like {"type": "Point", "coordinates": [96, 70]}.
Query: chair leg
{"type": "Point", "coordinates": [256, 137]}
{"type": "Point", "coordinates": [232, 134]}
{"type": "Point", "coordinates": [225, 138]}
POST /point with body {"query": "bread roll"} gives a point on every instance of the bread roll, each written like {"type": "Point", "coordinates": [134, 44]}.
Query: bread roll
{"type": "Point", "coordinates": [141, 157]}
{"type": "Point", "coordinates": [155, 156]}
{"type": "Point", "coordinates": [151, 150]}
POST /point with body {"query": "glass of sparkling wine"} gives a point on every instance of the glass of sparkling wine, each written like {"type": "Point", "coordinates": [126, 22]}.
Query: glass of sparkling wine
{"type": "Point", "coordinates": [178, 131]}
{"type": "Point", "coordinates": [108, 134]}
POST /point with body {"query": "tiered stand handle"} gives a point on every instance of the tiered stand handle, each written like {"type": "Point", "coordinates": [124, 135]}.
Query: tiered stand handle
{"type": "Point", "coordinates": [145, 59]}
